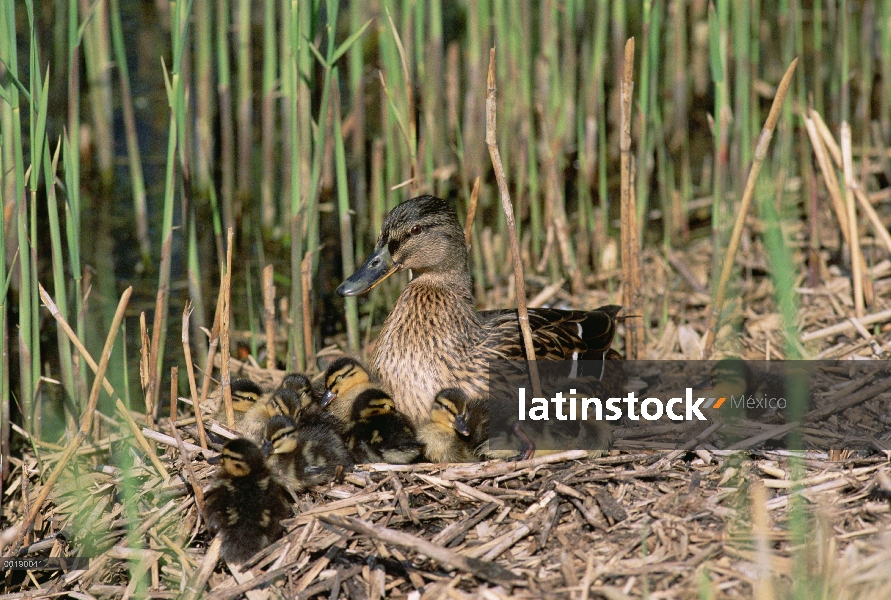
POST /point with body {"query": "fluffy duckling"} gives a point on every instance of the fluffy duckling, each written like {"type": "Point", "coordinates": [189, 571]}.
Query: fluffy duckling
{"type": "Point", "coordinates": [245, 394]}
{"type": "Point", "coordinates": [345, 380]}
{"type": "Point", "coordinates": [380, 433]}
{"type": "Point", "coordinates": [302, 386]}
{"type": "Point", "coordinates": [305, 452]}
{"type": "Point", "coordinates": [282, 402]}
{"type": "Point", "coordinates": [246, 503]}
{"type": "Point", "coordinates": [456, 429]}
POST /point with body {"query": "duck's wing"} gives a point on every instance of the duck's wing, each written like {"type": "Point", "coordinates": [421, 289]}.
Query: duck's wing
{"type": "Point", "coordinates": [556, 334]}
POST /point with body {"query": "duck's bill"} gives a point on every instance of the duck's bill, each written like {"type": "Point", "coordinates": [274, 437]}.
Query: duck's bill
{"type": "Point", "coordinates": [266, 448]}
{"type": "Point", "coordinates": [327, 398]}
{"type": "Point", "coordinates": [461, 425]}
{"type": "Point", "coordinates": [378, 267]}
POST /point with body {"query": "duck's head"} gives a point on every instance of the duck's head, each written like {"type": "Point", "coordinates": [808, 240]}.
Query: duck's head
{"type": "Point", "coordinates": [341, 376]}
{"type": "Point", "coordinates": [284, 402]}
{"type": "Point", "coordinates": [241, 458]}
{"type": "Point", "coordinates": [449, 410]}
{"type": "Point", "coordinates": [245, 394]}
{"type": "Point", "coordinates": [281, 435]}
{"type": "Point", "coordinates": [372, 403]}
{"type": "Point", "coordinates": [301, 386]}
{"type": "Point", "coordinates": [422, 234]}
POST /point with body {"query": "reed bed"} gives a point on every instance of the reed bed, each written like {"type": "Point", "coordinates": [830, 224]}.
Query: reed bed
{"type": "Point", "coordinates": [270, 138]}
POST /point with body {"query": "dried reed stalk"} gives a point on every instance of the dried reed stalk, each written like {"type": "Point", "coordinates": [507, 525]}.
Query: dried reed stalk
{"type": "Point", "coordinates": [507, 207]}
{"type": "Point", "coordinates": [471, 211]}
{"type": "Point", "coordinates": [225, 315]}
{"type": "Point", "coordinates": [745, 203]}
{"type": "Point", "coordinates": [269, 314]}
{"type": "Point", "coordinates": [854, 235]}
{"type": "Point", "coordinates": [306, 288]}
{"type": "Point", "coordinates": [190, 371]}
{"type": "Point", "coordinates": [631, 292]}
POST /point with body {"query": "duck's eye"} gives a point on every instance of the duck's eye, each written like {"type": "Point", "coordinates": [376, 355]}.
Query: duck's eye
{"type": "Point", "coordinates": [416, 229]}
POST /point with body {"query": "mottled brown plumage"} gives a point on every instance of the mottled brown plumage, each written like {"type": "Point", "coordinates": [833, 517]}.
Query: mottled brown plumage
{"type": "Point", "coordinates": [246, 503]}
{"type": "Point", "coordinates": [434, 338]}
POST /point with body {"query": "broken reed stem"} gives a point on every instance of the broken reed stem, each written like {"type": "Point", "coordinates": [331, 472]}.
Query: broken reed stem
{"type": "Point", "coordinates": [471, 211]}
{"type": "Point", "coordinates": [225, 377]}
{"type": "Point", "coordinates": [145, 368]}
{"type": "Point", "coordinates": [174, 391]}
{"type": "Point", "coordinates": [820, 144]}
{"type": "Point", "coordinates": [190, 371]}
{"type": "Point", "coordinates": [214, 342]}
{"type": "Point", "coordinates": [269, 314]}
{"type": "Point", "coordinates": [748, 193]}
{"type": "Point", "coordinates": [306, 288]}
{"type": "Point", "coordinates": [195, 587]}
{"type": "Point", "coordinates": [86, 419]}
{"type": "Point", "coordinates": [856, 266]}
{"type": "Point", "coordinates": [57, 315]}
{"type": "Point", "coordinates": [631, 292]}
{"type": "Point", "coordinates": [507, 207]}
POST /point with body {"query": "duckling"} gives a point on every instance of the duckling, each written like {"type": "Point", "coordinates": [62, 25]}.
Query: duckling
{"type": "Point", "coordinates": [301, 384]}
{"type": "Point", "coordinates": [246, 503]}
{"type": "Point", "coordinates": [380, 433]}
{"type": "Point", "coordinates": [282, 402]}
{"type": "Point", "coordinates": [304, 453]}
{"type": "Point", "coordinates": [245, 394]}
{"type": "Point", "coordinates": [457, 428]}
{"type": "Point", "coordinates": [345, 380]}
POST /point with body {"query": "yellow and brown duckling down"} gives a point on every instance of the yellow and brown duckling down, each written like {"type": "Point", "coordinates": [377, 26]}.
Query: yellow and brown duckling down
{"type": "Point", "coordinates": [374, 430]}
{"type": "Point", "coordinates": [456, 429]}
{"type": "Point", "coordinates": [434, 338]}
{"type": "Point", "coordinates": [282, 402]}
{"type": "Point", "coordinates": [380, 433]}
{"type": "Point", "coordinates": [246, 503]}
{"type": "Point", "coordinates": [245, 393]}
{"type": "Point", "coordinates": [345, 379]}
{"type": "Point", "coordinates": [306, 451]}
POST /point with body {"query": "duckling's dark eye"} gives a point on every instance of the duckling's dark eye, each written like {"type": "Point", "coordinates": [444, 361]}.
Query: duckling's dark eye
{"type": "Point", "coordinates": [416, 229]}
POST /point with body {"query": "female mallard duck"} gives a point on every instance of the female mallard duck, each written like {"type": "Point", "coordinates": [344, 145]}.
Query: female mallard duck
{"type": "Point", "coordinates": [304, 452]}
{"type": "Point", "coordinates": [380, 433]}
{"type": "Point", "coordinates": [434, 338]}
{"type": "Point", "coordinates": [246, 503]}
{"type": "Point", "coordinates": [282, 402]}
{"type": "Point", "coordinates": [456, 429]}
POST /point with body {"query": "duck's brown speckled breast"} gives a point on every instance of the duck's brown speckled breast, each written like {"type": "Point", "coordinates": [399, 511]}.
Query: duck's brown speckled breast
{"type": "Point", "coordinates": [429, 342]}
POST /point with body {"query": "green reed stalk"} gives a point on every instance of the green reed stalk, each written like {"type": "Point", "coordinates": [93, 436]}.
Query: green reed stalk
{"type": "Point", "coordinates": [179, 13]}
{"type": "Point", "coordinates": [718, 62]}
{"type": "Point", "coordinates": [133, 154]}
{"type": "Point", "coordinates": [245, 114]}
{"type": "Point", "coordinates": [292, 82]}
{"type": "Point", "coordinates": [845, 74]}
{"type": "Point", "coordinates": [204, 105]}
{"type": "Point", "coordinates": [227, 135]}
{"type": "Point", "coordinates": [58, 262]}
{"type": "Point", "coordinates": [358, 157]}
{"type": "Point", "coordinates": [346, 227]}
{"type": "Point", "coordinates": [98, 62]}
{"type": "Point", "coordinates": [27, 214]}
{"type": "Point", "coordinates": [742, 87]}
{"type": "Point", "coordinates": [270, 70]}
{"type": "Point", "coordinates": [196, 294]}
